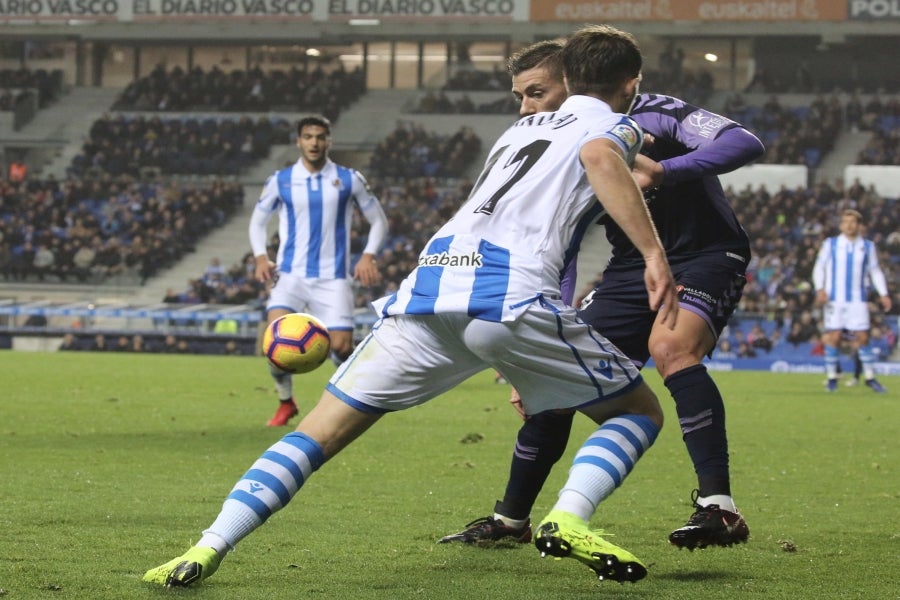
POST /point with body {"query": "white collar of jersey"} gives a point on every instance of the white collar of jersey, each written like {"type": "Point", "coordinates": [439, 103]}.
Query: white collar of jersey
{"type": "Point", "coordinates": [579, 102]}
{"type": "Point", "coordinates": [326, 168]}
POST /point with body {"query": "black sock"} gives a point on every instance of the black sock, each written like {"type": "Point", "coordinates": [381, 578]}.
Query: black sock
{"type": "Point", "coordinates": [540, 443]}
{"type": "Point", "coordinates": [701, 414]}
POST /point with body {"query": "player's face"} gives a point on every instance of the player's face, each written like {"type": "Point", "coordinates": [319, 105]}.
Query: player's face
{"type": "Point", "coordinates": [849, 226]}
{"type": "Point", "coordinates": [537, 91]}
{"type": "Point", "coordinates": [314, 142]}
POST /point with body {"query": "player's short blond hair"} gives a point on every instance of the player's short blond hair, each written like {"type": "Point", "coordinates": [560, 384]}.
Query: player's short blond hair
{"type": "Point", "coordinates": [850, 212]}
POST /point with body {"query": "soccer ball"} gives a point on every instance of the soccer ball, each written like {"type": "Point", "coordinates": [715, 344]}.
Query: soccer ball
{"type": "Point", "coordinates": [296, 343]}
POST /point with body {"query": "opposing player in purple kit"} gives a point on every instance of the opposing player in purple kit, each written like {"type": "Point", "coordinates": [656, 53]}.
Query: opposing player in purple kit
{"type": "Point", "coordinates": [485, 294]}
{"type": "Point", "coordinates": [686, 147]}
{"type": "Point", "coordinates": [315, 199]}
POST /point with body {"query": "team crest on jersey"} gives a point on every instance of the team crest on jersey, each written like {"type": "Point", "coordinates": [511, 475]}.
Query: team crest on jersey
{"type": "Point", "coordinates": [338, 184]}
{"type": "Point", "coordinates": [626, 133]}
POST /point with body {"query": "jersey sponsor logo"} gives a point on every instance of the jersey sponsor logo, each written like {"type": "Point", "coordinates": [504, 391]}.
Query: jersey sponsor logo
{"type": "Point", "coordinates": [626, 133]}
{"type": "Point", "coordinates": [696, 297]}
{"type": "Point", "coordinates": [445, 259]}
{"type": "Point", "coordinates": [705, 123]}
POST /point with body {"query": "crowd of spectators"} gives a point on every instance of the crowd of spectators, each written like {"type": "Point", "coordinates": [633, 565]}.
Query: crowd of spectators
{"type": "Point", "coordinates": [468, 78]}
{"type": "Point", "coordinates": [805, 134]}
{"type": "Point", "coordinates": [251, 90]}
{"type": "Point", "coordinates": [411, 151]}
{"type": "Point", "coordinates": [10, 99]}
{"type": "Point", "coordinates": [47, 85]}
{"type": "Point", "coordinates": [80, 230]}
{"type": "Point", "coordinates": [440, 102]}
{"type": "Point", "coordinates": [219, 284]}
{"type": "Point", "coordinates": [792, 135]}
{"type": "Point", "coordinates": [138, 146]}
{"type": "Point", "coordinates": [882, 118]}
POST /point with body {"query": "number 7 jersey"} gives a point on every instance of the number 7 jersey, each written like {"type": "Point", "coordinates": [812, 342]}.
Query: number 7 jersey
{"type": "Point", "coordinates": [509, 243]}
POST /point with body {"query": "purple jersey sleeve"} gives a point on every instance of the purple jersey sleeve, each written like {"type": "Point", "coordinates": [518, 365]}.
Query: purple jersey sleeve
{"type": "Point", "coordinates": [690, 209]}
{"type": "Point", "coordinates": [710, 144]}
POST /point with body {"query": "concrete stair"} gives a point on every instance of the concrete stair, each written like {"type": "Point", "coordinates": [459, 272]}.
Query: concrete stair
{"type": "Point", "coordinates": [371, 119]}
{"type": "Point", "coordinates": [846, 149]}
{"type": "Point", "coordinates": [62, 127]}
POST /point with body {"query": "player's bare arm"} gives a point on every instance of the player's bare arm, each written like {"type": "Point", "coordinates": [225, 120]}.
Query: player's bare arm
{"type": "Point", "coordinates": [821, 298]}
{"type": "Point", "coordinates": [647, 172]}
{"type": "Point", "coordinates": [366, 270]}
{"type": "Point", "coordinates": [617, 190]}
{"type": "Point", "coordinates": [264, 268]}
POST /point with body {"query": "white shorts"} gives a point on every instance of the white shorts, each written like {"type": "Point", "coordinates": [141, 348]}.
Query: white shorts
{"type": "Point", "coordinates": [331, 300]}
{"type": "Point", "coordinates": [852, 316]}
{"type": "Point", "coordinates": [553, 359]}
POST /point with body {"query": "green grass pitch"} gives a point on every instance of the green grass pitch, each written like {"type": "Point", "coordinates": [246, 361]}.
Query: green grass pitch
{"type": "Point", "coordinates": [113, 464]}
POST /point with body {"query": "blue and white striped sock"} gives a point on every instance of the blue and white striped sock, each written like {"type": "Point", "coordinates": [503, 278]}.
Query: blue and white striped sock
{"type": "Point", "coordinates": [604, 461]}
{"type": "Point", "coordinates": [831, 361]}
{"type": "Point", "coordinates": [266, 488]}
{"type": "Point", "coordinates": [867, 358]}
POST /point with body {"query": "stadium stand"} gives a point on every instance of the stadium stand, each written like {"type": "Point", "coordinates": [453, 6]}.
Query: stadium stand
{"type": "Point", "coordinates": [78, 230]}
{"type": "Point", "coordinates": [198, 120]}
{"type": "Point", "coordinates": [411, 151]}
{"type": "Point", "coordinates": [192, 145]}
{"type": "Point", "coordinates": [253, 90]}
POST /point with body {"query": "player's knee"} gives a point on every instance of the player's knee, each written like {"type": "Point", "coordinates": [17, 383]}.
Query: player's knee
{"type": "Point", "coordinates": [646, 403]}
{"type": "Point", "coordinates": [671, 355]}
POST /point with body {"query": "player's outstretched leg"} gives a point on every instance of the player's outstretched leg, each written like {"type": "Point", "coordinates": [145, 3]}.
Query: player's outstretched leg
{"type": "Point", "coordinates": [710, 526]}
{"type": "Point", "coordinates": [189, 569]}
{"type": "Point", "coordinates": [563, 534]}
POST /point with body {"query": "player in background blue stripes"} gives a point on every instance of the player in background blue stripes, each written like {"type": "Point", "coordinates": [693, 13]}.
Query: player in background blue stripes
{"type": "Point", "coordinates": [686, 147]}
{"type": "Point", "coordinates": [844, 266]}
{"type": "Point", "coordinates": [315, 199]}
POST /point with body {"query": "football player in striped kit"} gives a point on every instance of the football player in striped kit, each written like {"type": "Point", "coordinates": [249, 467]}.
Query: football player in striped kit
{"type": "Point", "coordinates": [844, 266]}
{"type": "Point", "coordinates": [486, 294]}
{"type": "Point", "coordinates": [315, 199]}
